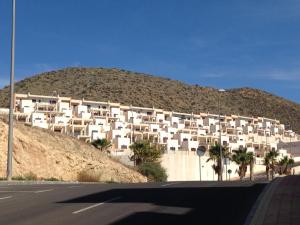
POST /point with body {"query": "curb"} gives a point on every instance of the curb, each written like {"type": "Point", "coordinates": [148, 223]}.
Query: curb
{"type": "Point", "coordinates": [260, 207]}
{"type": "Point", "coordinates": [28, 182]}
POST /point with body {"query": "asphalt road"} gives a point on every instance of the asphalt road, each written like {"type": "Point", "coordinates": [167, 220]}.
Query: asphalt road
{"type": "Point", "coordinates": [135, 204]}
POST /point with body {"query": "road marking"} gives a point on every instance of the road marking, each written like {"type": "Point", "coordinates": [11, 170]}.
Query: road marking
{"type": "Point", "coordinates": [164, 185]}
{"type": "Point", "coordinates": [41, 191]}
{"type": "Point", "coordinates": [6, 197]}
{"type": "Point", "coordinates": [16, 191]}
{"type": "Point", "coordinates": [74, 186]}
{"type": "Point", "coordinates": [93, 206]}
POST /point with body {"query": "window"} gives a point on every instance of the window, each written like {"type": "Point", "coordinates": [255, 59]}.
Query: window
{"type": "Point", "coordinates": [172, 148]}
{"type": "Point", "coordinates": [123, 146]}
{"type": "Point", "coordinates": [33, 100]}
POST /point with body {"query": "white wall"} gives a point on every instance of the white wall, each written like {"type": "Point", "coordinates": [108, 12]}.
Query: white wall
{"type": "Point", "coordinates": [184, 166]}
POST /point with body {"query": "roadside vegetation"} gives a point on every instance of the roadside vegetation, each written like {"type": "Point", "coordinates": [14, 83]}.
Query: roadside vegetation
{"type": "Point", "coordinates": [285, 163]}
{"type": "Point", "coordinates": [102, 144]}
{"type": "Point", "coordinates": [273, 165]}
{"type": "Point", "coordinates": [32, 177]}
{"type": "Point", "coordinates": [243, 159]}
{"type": "Point", "coordinates": [146, 159]}
{"type": "Point", "coordinates": [270, 163]}
{"type": "Point", "coordinates": [89, 176]}
{"type": "Point", "coordinates": [214, 155]}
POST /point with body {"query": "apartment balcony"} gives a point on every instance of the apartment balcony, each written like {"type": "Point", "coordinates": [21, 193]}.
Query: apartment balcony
{"type": "Point", "coordinates": [45, 107]}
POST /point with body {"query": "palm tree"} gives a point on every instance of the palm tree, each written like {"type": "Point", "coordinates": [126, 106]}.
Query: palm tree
{"type": "Point", "coordinates": [101, 144]}
{"type": "Point", "coordinates": [286, 162]}
{"type": "Point", "coordinates": [267, 164]}
{"type": "Point", "coordinates": [243, 159]}
{"type": "Point", "coordinates": [251, 157]}
{"type": "Point", "coordinates": [214, 155]}
{"type": "Point", "coordinates": [271, 157]}
{"type": "Point", "coordinates": [144, 152]}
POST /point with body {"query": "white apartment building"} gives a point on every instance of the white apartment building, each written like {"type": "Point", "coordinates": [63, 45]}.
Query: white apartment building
{"type": "Point", "coordinates": [174, 131]}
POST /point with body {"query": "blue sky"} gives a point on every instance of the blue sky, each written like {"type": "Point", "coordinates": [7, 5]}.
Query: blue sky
{"type": "Point", "coordinates": [253, 43]}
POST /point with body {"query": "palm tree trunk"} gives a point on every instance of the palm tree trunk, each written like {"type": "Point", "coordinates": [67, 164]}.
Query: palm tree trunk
{"type": "Point", "coordinates": [251, 170]}
{"type": "Point", "coordinates": [285, 169]}
{"type": "Point", "coordinates": [219, 170]}
{"type": "Point", "coordinates": [268, 172]}
{"type": "Point", "coordinates": [272, 171]}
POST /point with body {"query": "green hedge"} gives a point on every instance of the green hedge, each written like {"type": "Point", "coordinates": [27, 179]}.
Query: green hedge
{"type": "Point", "coordinates": [153, 171]}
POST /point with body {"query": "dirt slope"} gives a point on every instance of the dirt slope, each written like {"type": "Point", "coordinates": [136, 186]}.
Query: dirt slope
{"type": "Point", "coordinates": [49, 155]}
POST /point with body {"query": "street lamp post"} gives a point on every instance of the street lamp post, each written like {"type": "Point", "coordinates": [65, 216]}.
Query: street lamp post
{"type": "Point", "coordinates": [220, 177]}
{"type": "Point", "coordinates": [11, 106]}
{"type": "Point", "coordinates": [290, 136]}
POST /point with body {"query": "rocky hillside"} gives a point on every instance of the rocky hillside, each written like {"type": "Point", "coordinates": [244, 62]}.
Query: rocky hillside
{"type": "Point", "coordinates": [145, 90]}
{"type": "Point", "coordinates": [51, 155]}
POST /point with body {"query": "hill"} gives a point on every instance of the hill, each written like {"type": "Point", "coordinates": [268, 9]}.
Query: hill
{"type": "Point", "coordinates": [138, 89]}
{"type": "Point", "coordinates": [52, 155]}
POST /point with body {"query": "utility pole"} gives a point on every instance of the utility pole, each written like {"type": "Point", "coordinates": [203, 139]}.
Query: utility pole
{"type": "Point", "coordinates": [220, 177]}
{"type": "Point", "coordinates": [11, 106]}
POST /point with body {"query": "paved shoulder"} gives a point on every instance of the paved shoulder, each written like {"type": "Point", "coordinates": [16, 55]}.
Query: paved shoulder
{"type": "Point", "coordinates": [280, 203]}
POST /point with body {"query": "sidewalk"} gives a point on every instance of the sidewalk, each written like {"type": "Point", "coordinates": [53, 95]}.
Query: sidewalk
{"type": "Point", "coordinates": [280, 204]}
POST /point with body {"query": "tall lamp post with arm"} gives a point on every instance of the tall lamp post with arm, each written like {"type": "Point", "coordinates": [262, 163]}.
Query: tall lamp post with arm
{"type": "Point", "coordinates": [11, 106]}
{"type": "Point", "coordinates": [220, 177]}
{"type": "Point", "coordinates": [290, 136]}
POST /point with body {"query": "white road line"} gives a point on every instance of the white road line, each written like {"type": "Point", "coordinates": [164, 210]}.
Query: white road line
{"type": "Point", "coordinates": [6, 197]}
{"type": "Point", "coordinates": [41, 191]}
{"type": "Point", "coordinates": [93, 206]}
{"type": "Point", "coordinates": [74, 186]}
{"type": "Point", "coordinates": [164, 185]}
{"type": "Point", "coordinates": [38, 191]}
{"type": "Point", "coordinates": [16, 191]}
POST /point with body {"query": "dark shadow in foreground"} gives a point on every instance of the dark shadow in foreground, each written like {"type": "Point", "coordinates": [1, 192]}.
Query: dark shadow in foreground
{"type": "Point", "coordinates": [182, 206]}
